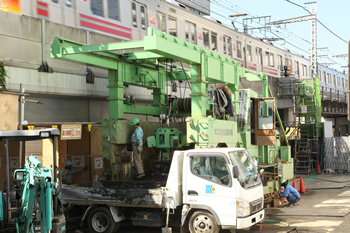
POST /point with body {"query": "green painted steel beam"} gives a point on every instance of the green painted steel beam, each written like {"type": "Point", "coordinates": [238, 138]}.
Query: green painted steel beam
{"type": "Point", "coordinates": [74, 49]}
{"type": "Point", "coordinates": [86, 59]}
{"type": "Point", "coordinates": [142, 110]}
{"type": "Point", "coordinates": [140, 55]}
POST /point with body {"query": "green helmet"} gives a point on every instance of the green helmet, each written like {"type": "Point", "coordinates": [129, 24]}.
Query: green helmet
{"type": "Point", "coordinates": [283, 181]}
{"type": "Point", "coordinates": [135, 121]}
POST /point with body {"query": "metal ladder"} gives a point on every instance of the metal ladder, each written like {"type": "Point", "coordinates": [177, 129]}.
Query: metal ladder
{"type": "Point", "coordinates": [308, 143]}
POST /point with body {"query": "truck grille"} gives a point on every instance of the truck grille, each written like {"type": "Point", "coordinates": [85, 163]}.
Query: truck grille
{"type": "Point", "coordinates": [256, 205]}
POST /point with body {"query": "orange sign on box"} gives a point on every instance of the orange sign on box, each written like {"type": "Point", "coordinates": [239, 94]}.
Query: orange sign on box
{"type": "Point", "coordinates": [69, 132]}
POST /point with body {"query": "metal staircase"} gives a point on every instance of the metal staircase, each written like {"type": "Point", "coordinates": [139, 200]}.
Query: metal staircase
{"type": "Point", "coordinates": [305, 97]}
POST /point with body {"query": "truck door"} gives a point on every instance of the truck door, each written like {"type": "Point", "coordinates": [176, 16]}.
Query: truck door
{"type": "Point", "coordinates": [208, 185]}
{"type": "Point", "coordinates": [265, 118]}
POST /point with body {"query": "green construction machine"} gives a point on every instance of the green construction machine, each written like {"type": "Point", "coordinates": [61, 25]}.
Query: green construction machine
{"type": "Point", "coordinates": [216, 113]}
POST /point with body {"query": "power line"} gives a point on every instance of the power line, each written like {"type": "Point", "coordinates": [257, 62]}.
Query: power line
{"type": "Point", "coordinates": [318, 21]}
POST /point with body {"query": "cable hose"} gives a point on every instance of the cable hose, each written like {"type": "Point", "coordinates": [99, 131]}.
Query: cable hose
{"type": "Point", "coordinates": [266, 220]}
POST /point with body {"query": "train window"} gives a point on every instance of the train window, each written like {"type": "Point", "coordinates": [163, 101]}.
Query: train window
{"type": "Point", "coordinates": [297, 68]}
{"type": "Point", "coordinates": [193, 33]}
{"type": "Point", "coordinates": [96, 7]}
{"type": "Point", "coordinates": [338, 81]}
{"type": "Point", "coordinates": [272, 60]}
{"type": "Point", "coordinates": [55, 1]}
{"type": "Point", "coordinates": [190, 32]}
{"type": "Point", "coordinates": [206, 38]}
{"type": "Point", "coordinates": [334, 80]}
{"type": "Point", "coordinates": [304, 70]}
{"type": "Point", "coordinates": [342, 83]}
{"type": "Point", "coordinates": [229, 46]}
{"type": "Point", "coordinates": [329, 78]}
{"type": "Point", "coordinates": [214, 41]}
{"type": "Point", "coordinates": [69, 3]}
{"type": "Point", "coordinates": [224, 44]}
{"type": "Point", "coordinates": [279, 61]}
{"type": "Point", "coordinates": [172, 26]}
{"type": "Point", "coordinates": [259, 59]}
{"type": "Point", "coordinates": [249, 53]}
{"type": "Point", "coordinates": [113, 9]}
{"type": "Point", "coordinates": [134, 14]}
{"type": "Point", "coordinates": [143, 17]}
{"type": "Point", "coordinates": [324, 76]}
{"type": "Point", "coordinates": [267, 57]}
{"type": "Point", "coordinates": [161, 22]}
{"type": "Point", "coordinates": [290, 64]}
{"type": "Point", "coordinates": [239, 49]}
{"type": "Point", "coordinates": [319, 75]}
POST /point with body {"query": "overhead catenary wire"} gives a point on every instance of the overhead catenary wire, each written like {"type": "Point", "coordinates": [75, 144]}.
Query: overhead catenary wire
{"type": "Point", "coordinates": [318, 21]}
{"type": "Point", "coordinates": [290, 34]}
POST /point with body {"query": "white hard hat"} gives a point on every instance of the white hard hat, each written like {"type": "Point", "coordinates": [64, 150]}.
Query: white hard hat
{"type": "Point", "coordinates": [68, 163]}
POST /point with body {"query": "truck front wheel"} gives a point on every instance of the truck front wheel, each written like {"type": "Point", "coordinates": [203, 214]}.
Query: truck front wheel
{"type": "Point", "coordinates": [101, 221]}
{"type": "Point", "coordinates": [201, 222]}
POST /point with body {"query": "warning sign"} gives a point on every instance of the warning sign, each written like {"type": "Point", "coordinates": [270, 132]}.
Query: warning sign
{"type": "Point", "coordinates": [78, 161]}
{"type": "Point", "coordinates": [98, 163]}
{"type": "Point", "coordinates": [14, 162]}
{"type": "Point", "coordinates": [69, 132]}
{"type": "Point", "coordinates": [303, 109]}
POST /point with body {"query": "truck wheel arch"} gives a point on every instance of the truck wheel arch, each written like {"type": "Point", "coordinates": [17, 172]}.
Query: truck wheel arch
{"type": "Point", "coordinates": [117, 213]}
{"type": "Point", "coordinates": [194, 208]}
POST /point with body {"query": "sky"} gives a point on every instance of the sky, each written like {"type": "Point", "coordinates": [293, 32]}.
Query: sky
{"type": "Point", "coordinates": [334, 14]}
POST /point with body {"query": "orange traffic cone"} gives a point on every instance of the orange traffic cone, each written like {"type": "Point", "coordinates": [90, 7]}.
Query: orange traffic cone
{"type": "Point", "coordinates": [318, 171]}
{"type": "Point", "coordinates": [302, 188]}
{"type": "Point", "coordinates": [295, 184]}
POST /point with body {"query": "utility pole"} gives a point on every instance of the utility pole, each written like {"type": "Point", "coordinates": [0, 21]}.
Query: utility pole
{"type": "Point", "coordinates": [21, 119]}
{"type": "Point", "coordinates": [21, 103]}
{"type": "Point", "coordinates": [313, 18]}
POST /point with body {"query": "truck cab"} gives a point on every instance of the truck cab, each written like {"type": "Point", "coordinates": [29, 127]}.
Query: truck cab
{"type": "Point", "coordinates": [220, 187]}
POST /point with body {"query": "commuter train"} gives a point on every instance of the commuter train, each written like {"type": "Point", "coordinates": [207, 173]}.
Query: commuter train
{"type": "Point", "coordinates": [129, 19]}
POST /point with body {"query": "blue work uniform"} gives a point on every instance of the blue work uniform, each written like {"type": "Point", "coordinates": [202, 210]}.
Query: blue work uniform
{"type": "Point", "coordinates": [137, 147]}
{"type": "Point", "coordinates": [137, 136]}
{"type": "Point", "coordinates": [290, 192]}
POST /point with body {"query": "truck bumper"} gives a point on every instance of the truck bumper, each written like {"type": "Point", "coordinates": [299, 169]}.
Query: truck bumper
{"type": "Point", "coordinates": [250, 220]}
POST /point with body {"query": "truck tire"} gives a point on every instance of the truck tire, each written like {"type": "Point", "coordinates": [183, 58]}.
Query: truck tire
{"type": "Point", "coordinates": [101, 221]}
{"type": "Point", "coordinates": [202, 221]}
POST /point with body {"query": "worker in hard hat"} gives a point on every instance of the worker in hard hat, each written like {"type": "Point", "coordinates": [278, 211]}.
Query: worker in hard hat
{"type": "Point", "coordinates": [290, 193]}
{"type": "Point", "coordinates": [67, 172]}
{"type": "Point", "coordinates": [137, 146]}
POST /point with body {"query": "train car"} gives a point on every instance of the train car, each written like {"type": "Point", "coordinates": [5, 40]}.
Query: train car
{"type": "Point", "coordinates": [129, 19]}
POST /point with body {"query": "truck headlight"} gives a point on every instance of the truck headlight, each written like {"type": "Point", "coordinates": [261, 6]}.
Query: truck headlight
{"type": "Point", "coordinates": [243, 208]}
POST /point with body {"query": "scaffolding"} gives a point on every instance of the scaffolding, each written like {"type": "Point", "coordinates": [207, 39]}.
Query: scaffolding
{"type": "Point", "coordinates": [305, 128]}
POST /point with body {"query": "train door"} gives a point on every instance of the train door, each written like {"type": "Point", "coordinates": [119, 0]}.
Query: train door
{"type": "Point", "coordinates": [139, 20]}
{"type": "Point", "coordinates": [265, 119]}
{"type": "Point", "coordinates": [259, 59]}
{"type": "Point", "coordinates": [68, 13]}
{"type": "Point", "coordinates": [55, 11]}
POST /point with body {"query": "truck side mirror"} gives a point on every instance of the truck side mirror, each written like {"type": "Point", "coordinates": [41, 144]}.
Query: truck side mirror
{"type": "Point", "coordinates": [235, 172]}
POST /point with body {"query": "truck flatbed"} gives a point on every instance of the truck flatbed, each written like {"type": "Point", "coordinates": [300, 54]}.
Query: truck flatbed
{"type": "Point", "coordinates": [113, 193]}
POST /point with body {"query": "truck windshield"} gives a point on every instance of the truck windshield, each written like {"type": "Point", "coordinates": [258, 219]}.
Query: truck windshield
{"type": "Point", "coordinates": [245, 165]}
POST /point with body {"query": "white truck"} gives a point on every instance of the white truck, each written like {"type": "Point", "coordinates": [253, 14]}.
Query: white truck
{"type": "Point", "coordinates": [206, 189]}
